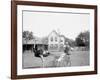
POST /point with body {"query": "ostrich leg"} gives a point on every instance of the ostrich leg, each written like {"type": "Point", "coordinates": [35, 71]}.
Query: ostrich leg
{"type": "Point", "coordinates": [41, 56]}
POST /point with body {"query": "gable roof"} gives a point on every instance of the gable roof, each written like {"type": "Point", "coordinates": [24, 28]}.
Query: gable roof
{"type": "Point", "coordinates": [55, 33]}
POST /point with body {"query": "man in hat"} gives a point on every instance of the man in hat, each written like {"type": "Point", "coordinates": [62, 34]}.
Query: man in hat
{"type": "Point", "coordinates": [64, 58]}
{"type": "Point", "coordinates": [67, 49]}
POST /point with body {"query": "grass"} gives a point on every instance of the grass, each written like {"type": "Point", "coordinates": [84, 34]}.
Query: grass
{"type": "Point", "coordinates": [77, 58]}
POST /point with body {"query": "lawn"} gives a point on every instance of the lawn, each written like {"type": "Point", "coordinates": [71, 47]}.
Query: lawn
{"type": "Point", "coordinates": [77, 58]}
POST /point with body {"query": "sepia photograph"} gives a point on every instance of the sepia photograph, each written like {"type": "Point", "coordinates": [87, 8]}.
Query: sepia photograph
{"type": "Point", "coordinates": [55, 39]}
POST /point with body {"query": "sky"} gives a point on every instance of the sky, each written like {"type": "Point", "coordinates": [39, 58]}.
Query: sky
{"type": "Point", "coordinates": [68, 24]}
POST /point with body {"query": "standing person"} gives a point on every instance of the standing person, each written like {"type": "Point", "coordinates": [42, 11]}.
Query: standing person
{"type": "Point", "coordinates": [66, 51]}
{"type": "Point", "coordinates": [64, 59]}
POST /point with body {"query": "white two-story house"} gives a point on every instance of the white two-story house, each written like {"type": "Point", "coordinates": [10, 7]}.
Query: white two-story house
{"type": "Point", "coordinates": [55, 41]}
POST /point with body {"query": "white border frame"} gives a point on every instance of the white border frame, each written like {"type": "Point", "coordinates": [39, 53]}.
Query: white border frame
{"type": "Point", "coordinates": [21, 71]}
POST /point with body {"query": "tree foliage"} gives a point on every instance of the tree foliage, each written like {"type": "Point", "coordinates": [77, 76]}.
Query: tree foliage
{"type": "Point", "coordinates": [28, 36]}
{"type": "Point", "coordinates": [83, 39]}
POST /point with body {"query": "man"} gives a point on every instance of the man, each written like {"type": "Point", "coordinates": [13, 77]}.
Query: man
{"type": "Point", "coordinates": [64, 58]}
{"type": "Point", "coordinates": [67, 50]}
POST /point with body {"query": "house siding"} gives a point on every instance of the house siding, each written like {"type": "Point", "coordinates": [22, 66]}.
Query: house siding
{"type": "Point", "coordinates": [55, 42]}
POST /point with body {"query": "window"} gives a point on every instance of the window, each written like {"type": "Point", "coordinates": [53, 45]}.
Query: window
{"type": "Point", "coordinates": [56, 39]}
{"type": "Point", "coordinates": [51, 45]}
{"type": "Point", "coordinates": [51, 39]}
{"type": "Point", "coordinates": [56, 45]}
{"type": "Point", "coordinates": [61, 40]}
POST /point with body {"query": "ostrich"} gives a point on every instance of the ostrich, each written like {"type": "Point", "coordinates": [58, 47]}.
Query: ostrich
{"type": "Point", "coordinates": [41, 52]}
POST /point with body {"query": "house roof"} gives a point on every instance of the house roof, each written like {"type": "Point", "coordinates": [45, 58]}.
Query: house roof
{"type": "Point", "coordinates": [36, 41]}
{"type": "Point", "coordinates": [58, 34]}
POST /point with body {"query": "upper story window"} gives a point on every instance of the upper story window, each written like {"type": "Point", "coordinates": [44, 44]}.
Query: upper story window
{"type": "Point", "coordinates": [51, 39]}
{"type": "Point", "coordinates": [61, 40]}
{"type": "Point", "coordinates": [56, 39]}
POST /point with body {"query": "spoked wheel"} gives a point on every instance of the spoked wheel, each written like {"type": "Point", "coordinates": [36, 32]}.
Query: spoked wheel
{"type": "Point", "coordinates": [63, 62]}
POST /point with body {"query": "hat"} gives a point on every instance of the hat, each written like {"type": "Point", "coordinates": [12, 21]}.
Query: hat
{"type": "Point", "coordinates": [64, 45]}
{"type": "Point", "coordinates": [67, 43]}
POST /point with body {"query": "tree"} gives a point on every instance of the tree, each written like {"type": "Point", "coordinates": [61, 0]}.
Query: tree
{"type": "Point", "coordinates": [31, 36]}
{"type": "Point", "coordinates": [70, 41]}
{"type": "Point", "coordinates": [79, 42]}
{"type": "Point", "coordinates": [83, 39]}
{"type": "Point", "coordinates": [27, 36]}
